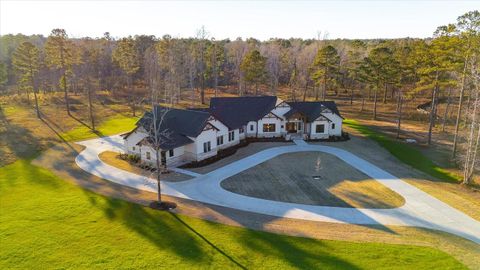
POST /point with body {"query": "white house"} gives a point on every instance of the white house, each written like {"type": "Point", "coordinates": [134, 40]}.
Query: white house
{"type": "Point", "coordinates": [196, 134]}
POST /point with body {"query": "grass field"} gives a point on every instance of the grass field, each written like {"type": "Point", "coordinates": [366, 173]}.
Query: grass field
{"type": "Point", "coordinates": [46, 222]}
{"type": "Point", "coordinates": [404, 152]}
{"type": "Point", "coordinates": [113, 125]}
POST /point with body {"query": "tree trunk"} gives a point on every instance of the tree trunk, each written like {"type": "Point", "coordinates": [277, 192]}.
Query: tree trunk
{"type": "Point", "coordinates": [459, 111]}
{"type": "Point", "coordinates": [64, 70]}
{"type": "Point", "coordinates": [159, 173]}
{"type": "Point", "coordinates": [67, 104]}
{"type": "Point", "coordinates": [445, 114]}
{"type": "Point", "coordinates": [215, 72]}
{"type": "Point", "coordinates": [363, 103]}
{"type": "Point", "coordinates": [472, 146]}
{"type": "Point", "coordinates": [202, 92]}
{"type": "Point", "coordinates": [305, 91]}
{"type": "Point", "coordinates": [432, 111]}
{"type": "Point", "coordinates": [90, 107]}
{"type": "Point", "coordinates": [399, 112]}
{"type": "Point", "coordinates": [385, 93]}
{"type": "Point", "coordinates": [324, 87]}
{"type": "Point", "coordinates": [467, 106]}
{"type": "Point", "coordinates": [293, 93]}
{"type": "Point", "coordinates": [32, 81]}
{"type": "Point", "coordinates": [156, 147]}
{"type": "Point", "coordinates": [375, 104]}
{"type": "Point", "coordinates": [240, 92]}
{"type": "Point", "coordinates": [130, 90]}
{"type": "Point", "coordinates": [351, 96]}
{"type": "Point", "coordinates": [27, 92]}
{"type": "Point", "coordinates": [256, 88]}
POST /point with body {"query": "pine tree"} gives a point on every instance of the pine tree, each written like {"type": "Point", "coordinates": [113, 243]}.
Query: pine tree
{"type": "Point", "coordinates": [438, 61]}
{"type": "Point", "coordinates": [125, 56]}
{"type": "Point", "coordinates": [325, 69]}
{"type": "Point", "coordinates": [253, 65]}
{"type": "Point", "coordinates": [60, 54]}
{"type": "Point", "coordinates": [25, 61]}
{"type": "Point", "coordinates": [379, 69]}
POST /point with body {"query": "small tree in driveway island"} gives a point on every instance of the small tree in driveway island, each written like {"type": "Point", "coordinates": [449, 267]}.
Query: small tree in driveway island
{"type": "Point", "coordinates": [160, 136]}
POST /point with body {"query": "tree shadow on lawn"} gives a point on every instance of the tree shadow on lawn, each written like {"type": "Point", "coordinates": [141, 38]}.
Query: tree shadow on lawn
{"type": "Point", "coordinates": [188, 242]}
{"type": "Point", "coordinates": [19, 141]}
{"type": "Point", "coordinates": [163, 232]}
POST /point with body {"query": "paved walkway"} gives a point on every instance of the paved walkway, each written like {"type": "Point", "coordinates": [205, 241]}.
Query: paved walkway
{"type": "Point", "coordinates": [420, 209]}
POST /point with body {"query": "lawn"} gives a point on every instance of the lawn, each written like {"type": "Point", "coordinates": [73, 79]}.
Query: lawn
{"type": "Point", "coordinates": [46, 222]}
{"type": "Point", "coordinates": [404, 152]}
{"type": "Point", "coordinates": [111, 126]}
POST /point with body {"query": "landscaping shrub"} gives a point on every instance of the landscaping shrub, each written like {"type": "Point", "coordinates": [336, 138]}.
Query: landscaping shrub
{"type": "Point", "coordinates": [220, 154]}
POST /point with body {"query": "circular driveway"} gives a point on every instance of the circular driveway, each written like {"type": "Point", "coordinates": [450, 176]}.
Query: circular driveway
{"type": "Point", "coordinates": [420, 209]}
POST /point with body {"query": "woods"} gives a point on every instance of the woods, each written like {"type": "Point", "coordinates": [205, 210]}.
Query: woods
{"type": "Point", "coordinates": [443, 69]}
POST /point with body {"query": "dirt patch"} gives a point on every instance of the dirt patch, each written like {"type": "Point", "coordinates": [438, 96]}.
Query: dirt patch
{"type": "Point", "coordinates": [113, 159]}
{"type": "Point", "coordinates": [312, 178]}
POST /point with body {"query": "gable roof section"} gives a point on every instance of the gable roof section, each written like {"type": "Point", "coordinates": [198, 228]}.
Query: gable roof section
{"type": "Point", "coordinates": [235, 112]}
{"type": "Point", "coordinates": [175, 125]}
{"type": "Point", "coordinates": [312, 110]}
{"type": "Point", "coordinates": [332, 106]}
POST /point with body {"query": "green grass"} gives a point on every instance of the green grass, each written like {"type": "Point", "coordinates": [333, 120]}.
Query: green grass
{"type": "Point", "coordinates": [111, 126]}
{"type": "Point", "coordinates": [404, 152]}
{"type": "Point", "coordinates": [47, 223]}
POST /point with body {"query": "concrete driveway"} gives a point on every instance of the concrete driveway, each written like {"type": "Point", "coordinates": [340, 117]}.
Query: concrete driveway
{"type": "Point", "coordinates": [420, 209]}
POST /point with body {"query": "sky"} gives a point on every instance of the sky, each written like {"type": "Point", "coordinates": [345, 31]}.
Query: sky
{"type": "Point", "coordinates": [231, 19]}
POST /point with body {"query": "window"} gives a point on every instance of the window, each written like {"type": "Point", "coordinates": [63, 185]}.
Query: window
{"type": "Point", "coordinates": [281, 126]}
{"type": "Point", "coordinates": [231, 136]}
{"type": "Point", "coordinates": [206, 147]}
{"type": "Point", "coordinates": [133, 148]}
{"type": "Point", "coordinates": [333, 125]}
{"type": "Point", "coordinates": [320, 128]}
{"type": "Point", "coordinates": [268, 127]}
{"type": "Point", "coordinates": [240, 130]}
{"type": "Point", "coordinates": [251, 127]}
{"type": "Point", "coordinates": [148, 155]}
{"type": "Point", "coordinates": [171, 153]}
{"type": "Point", "coordinates": [219, 140]}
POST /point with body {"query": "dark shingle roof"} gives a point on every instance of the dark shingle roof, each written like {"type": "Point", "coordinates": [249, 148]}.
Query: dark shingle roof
{"type": "Point", "coordinates": [235, 112]}
{"type": "Point", "coordinates": [174, 125]}
{"type": "Point", "coordinates": [312, 110]}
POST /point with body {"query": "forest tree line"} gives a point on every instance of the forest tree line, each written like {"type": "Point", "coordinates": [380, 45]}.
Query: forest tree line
{"type": "Point", "coordinates": [444, 67]}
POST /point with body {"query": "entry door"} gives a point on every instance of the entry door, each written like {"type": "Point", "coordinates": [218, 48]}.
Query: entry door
{"type": "Point", "coordinates": [300, 127]}
{"type": "Point", "coordinates": [291, 127]}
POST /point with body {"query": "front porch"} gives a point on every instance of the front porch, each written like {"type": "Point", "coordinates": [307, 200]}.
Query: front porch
{"type": "Point", "coordinates": [297, 124]}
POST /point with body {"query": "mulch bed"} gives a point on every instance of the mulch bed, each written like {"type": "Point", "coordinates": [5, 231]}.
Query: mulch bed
{"type": "Point", "coordinates": [220, 155]}
{"type": "Point", "coordinates": [345, 137]}
{"type": "Point", "coordinates": [229, 151]}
